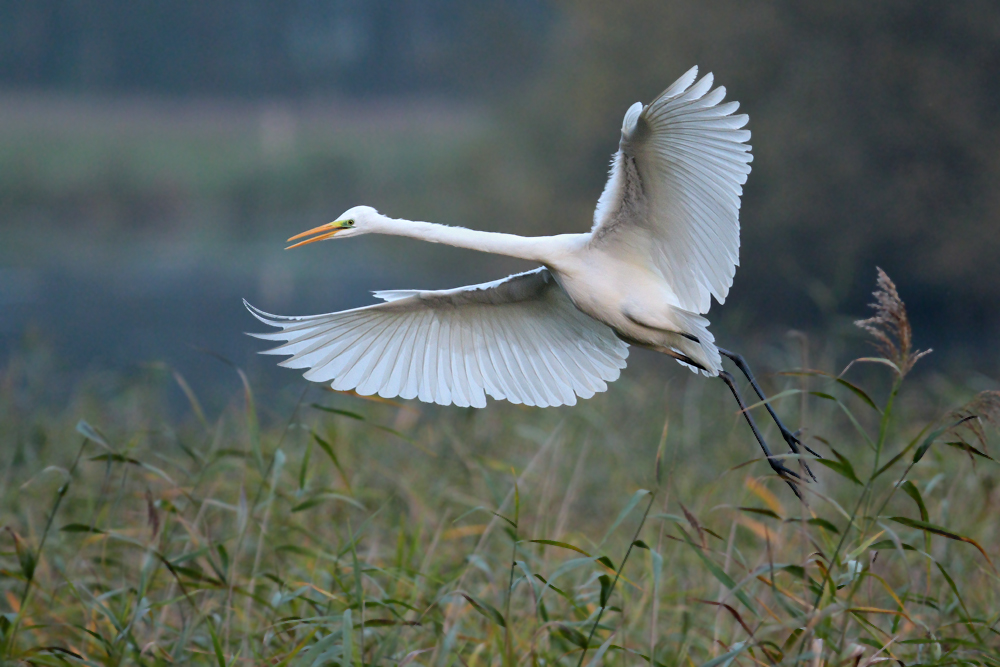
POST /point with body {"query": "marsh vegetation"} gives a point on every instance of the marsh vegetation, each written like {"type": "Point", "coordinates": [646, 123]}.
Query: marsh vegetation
{"type": "Point", "coordinates": [639, 527]}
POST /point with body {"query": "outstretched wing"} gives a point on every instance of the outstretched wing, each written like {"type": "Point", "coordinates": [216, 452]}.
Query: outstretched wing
{"type": "Point", "coordinates": [520, 338]}
{"type": "Point", "coordinates": [675, 186]}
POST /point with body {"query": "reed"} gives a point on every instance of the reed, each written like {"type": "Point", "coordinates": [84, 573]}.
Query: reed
{"type": "Point", "coordinates": [342, 530]}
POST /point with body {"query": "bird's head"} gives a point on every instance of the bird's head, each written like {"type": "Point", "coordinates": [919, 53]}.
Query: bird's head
{"type": "Point", "coordinates": [352, 222]}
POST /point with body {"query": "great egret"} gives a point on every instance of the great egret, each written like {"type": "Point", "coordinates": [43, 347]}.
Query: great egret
{"type": "Point", "coordinates": [664, 241]}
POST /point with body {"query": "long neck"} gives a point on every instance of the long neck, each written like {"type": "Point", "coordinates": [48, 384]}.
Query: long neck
{"type": "Point", "coordinates": [537, 249]}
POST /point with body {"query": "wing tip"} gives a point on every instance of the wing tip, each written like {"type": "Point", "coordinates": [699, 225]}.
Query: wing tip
{"type": "Point", "coordinates": [688, 77]}
{"type": "Point", "coordinates": [680, 85]}
{"type": "Point", "coordinates": [260, 315]}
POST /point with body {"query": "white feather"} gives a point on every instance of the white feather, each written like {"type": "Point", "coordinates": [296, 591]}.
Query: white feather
{"type": "Point", "coordinates": [692, 159]}
{"type": "Point", "coordinates": [458, 346]}
{"type": "Point", "coordinates": [664, 243]}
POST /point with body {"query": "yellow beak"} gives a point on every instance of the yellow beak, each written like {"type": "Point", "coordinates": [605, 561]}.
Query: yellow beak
{"type": "Point", "coordinates": [324, 232]}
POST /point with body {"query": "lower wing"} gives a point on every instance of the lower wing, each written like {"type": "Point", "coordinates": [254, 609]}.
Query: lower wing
{"type": "Point", "coordinates": [520, 339]}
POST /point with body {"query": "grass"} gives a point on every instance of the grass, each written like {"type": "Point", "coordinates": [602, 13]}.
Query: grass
{"type": "Point", "coordinates": [639, 527]}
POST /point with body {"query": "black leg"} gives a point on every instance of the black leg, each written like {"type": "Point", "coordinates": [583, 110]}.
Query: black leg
{"type": "Point", "coordinates": [776, 464]}
{"type": "Point", "coordinates": [789, 437]}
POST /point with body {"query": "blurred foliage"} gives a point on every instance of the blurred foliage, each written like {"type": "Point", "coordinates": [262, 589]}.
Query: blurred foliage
{"type": "Point", "coordinates": [234, 167]}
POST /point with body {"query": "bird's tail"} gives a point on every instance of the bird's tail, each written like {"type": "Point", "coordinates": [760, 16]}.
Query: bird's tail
{"type": "Point", "coordinates": [702, 350]}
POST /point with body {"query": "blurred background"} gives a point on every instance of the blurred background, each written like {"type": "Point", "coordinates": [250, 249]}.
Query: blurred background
{"type": "Point", "coordinates": [155, 156]}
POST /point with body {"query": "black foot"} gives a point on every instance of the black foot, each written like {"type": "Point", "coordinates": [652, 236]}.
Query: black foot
{"type": "Point", "coordinates": [790, 438]}
{"type": "Point", "coordinates": [791, 477]}
{"type": "Point", "coordinates": [794, 443]}
{"type": "Point", "coordinates": [807, 447]}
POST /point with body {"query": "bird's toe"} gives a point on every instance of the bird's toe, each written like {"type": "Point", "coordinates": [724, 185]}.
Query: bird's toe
{"type": "Point", "coordinates": [782, 470]}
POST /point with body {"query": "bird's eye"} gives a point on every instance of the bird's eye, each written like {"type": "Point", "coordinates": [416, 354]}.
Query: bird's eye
{"type": "Point", "coordinates": [350, 223]}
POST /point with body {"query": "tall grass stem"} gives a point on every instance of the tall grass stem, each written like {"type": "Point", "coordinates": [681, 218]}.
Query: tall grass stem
{"type": "Point", "coordinates": [618, 574]}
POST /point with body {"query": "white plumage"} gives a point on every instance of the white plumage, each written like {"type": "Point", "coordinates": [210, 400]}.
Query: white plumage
{"type": "Point", "coordinates": [689, 151]}
{"type": "Point", "coordinates": [519, 339]}
{"type": "Point", "coordinates": [665, 240]}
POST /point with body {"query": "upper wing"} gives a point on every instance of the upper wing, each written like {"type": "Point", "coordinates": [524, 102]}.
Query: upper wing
{"type": "Point", "coordinates": [520, 338]}
{"type": "Point", "coordinates": [675, 188]}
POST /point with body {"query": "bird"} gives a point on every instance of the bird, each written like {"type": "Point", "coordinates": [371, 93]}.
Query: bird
{"type": "Point", "coordinates": [664, 243]}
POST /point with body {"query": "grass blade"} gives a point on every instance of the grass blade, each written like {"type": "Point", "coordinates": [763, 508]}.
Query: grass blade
{"type": "Point", "coordinates": [720, 575]}
{"type": "Point", "coordinates": [564, 545]}
{"type": "Point", "coordinates": [633, 501]}
{"type": "Point", "coordinates": [488, 611]}
{"type": "Point", "coordinates": [943, 532]}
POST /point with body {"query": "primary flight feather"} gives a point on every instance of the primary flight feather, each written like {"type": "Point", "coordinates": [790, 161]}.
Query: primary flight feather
{"type": "Point", "coordinates": [520, 338]}
{"type": "Point", "coordinates": [665, 241]}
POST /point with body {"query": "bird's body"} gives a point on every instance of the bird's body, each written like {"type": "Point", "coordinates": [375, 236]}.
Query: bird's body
{"type": "Point", "coordinates": [632, 298]}
{"type": "Point", "coordinates": [664, 243]}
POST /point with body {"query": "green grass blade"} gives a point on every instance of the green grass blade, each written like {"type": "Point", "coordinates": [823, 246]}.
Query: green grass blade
{"type": "Point", "coordinates": [564, 545]}
{"type": "Point", "coordinates": [720, 575]}
{"type": "Point", "coordinates": [633, 501]}
{"type": "Point", "coordinates": [943, 532]}
{"type": "Point", "coordinates": [910, 489]}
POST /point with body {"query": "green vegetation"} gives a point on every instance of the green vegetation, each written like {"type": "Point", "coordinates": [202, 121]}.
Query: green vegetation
{"type": "Point", "coordinates": [333, 529]}
{"type": "Point", "coordinates": [228, 169]}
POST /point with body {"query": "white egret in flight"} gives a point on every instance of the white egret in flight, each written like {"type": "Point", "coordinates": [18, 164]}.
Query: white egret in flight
{"type": "Point", "coordinates": [664, 241]}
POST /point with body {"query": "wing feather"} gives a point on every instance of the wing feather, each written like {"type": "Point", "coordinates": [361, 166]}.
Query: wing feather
{"type": "Point", "coordinates": [527, 359]}
{"type": "Point", "coordinates": [520, 385]}
{"type": "Point", "coordinates": [471, 345]}
{"type": "Point", "coordinates": [519, 339]}
{"type": "Point", "coordinates": [417, 356]}
{"type": "Point", "coordinates": [515, 367]}
{"type": "Point", "coordinates": [459, 362]}
{"type": "Point", "coordinates": [356, 361]}
{"type": "Point", "coordinates": [445, 377]}
{"type": "Point", "coordinates": [318, 345]}
{"type": "Point", "coordinates": [429, 378]}
{"type": "Point", "coordinates": [546, 382]}
{"type": "Point", "coordinates": [383, 355]}
{"type": "Point", "coordinates": [459, 373]}
{"type": "Point", "coordinates": [494, 370]}
{"type": "Point", "coordinates": [470, 358]}
{"type": "Point", "coordinates": [563, 387]}
{"type": "Point", "coordinates": [585, 372]}
{"type": "Point", "coordinates": [464, 347]}
{"type": "Point", "coordinates": [687, 158]}
{"type": "Point", "coordinates": [396, 378]}
{"type": "Point", "coordinates": [320, 356]}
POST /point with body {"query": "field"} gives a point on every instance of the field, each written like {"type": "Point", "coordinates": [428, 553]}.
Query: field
{"type": "Point", "coordinates": [639, 527]}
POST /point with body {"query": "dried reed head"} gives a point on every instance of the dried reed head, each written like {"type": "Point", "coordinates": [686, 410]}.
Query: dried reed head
{"type": "Point", "coordinates": [891, 327]}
